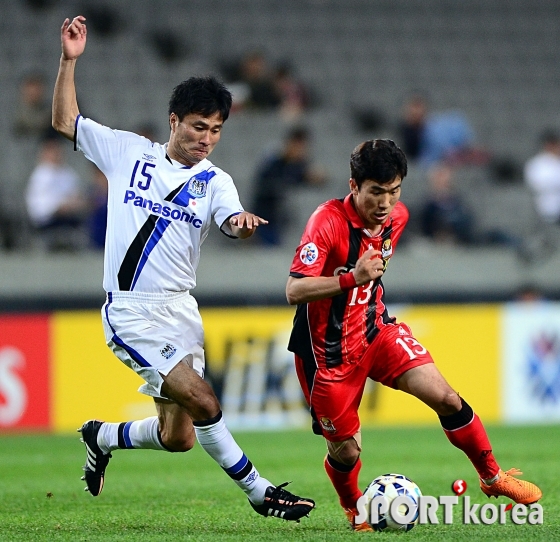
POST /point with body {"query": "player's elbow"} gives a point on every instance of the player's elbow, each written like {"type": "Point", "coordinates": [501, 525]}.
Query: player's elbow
{"type": "Point", "coordinates": [292, 295]}
{"type": "Point", "coordinates": [294, 291]}
{"type": "Point", "coordinates": [292, 300]}
{"type": "Point", "coordinates": [57, 124]}
{"type": "Point", "coordinates": [65, 129]}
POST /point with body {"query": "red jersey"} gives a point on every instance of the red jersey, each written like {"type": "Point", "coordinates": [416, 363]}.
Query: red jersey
{"type": "Point", "coordinates": [338, 329]}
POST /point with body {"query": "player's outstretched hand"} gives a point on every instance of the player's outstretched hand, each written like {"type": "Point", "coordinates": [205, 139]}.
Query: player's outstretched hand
{"type": "Point", "coordinates": [73, 37]}
{"type": "Point", "coordinates": [368, 267]}
{"type": "Point", "coordinates": [245, 224]}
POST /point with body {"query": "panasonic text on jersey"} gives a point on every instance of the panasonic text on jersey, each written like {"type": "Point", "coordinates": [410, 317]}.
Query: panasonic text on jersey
{"type": "Point", "coordinates": [163, 210]}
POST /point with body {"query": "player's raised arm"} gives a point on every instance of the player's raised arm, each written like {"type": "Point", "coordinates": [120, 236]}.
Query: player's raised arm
{"type": "Point", "coordinates": [65, 106]}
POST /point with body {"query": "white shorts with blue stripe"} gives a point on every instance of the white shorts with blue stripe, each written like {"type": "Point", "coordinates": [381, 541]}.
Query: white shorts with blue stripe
{"type": "Point", "coordinates": [152, 333]}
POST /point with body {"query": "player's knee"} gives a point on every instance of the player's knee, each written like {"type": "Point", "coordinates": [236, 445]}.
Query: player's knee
{"type": "Point", "coordinates": [346, 452]}
{"type": "Point", "coordinates": [201, 402]}
{"type": "Point", "coordinates": [178, 442]}
{"type": "Point", "coordinates": [449, 403]}
{"type": "Point", "coordinates": [349, 456]}
{"type": "Point", "coordinates": [207, 406]}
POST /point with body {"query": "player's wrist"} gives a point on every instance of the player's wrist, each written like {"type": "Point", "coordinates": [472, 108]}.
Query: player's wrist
{"type": "Point", "coordinates": [67, 60]}
{"type": "Point", "coordinates": [347, 281]}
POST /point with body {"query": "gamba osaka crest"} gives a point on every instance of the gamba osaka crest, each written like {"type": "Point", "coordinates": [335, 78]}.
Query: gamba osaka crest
{"type": "Point", "coordinates": [196, 186]}
{"type": "Point", "coordinates": [168, 351]}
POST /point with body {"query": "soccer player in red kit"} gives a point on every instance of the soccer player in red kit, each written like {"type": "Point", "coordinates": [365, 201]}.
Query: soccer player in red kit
{"type": "Point", "coordinates": [343, 333]}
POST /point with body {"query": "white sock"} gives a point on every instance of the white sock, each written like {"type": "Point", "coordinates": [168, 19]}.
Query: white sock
{"type": "Point", "coordinates": [490, 481]}
{"type": "Point", "coordinates": [141, 434]}
{"type": "Point", "coordinates": [218, 442]}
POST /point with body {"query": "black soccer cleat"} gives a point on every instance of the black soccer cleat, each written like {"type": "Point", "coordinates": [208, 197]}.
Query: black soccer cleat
{"type": "Point", "coordinates": [96, 460]}
{"type": "Point", "coordinates": [282, 504]}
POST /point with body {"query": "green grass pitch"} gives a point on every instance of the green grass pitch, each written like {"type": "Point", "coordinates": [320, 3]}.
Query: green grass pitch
{"type": "Point", "coordinates": [158, 496]}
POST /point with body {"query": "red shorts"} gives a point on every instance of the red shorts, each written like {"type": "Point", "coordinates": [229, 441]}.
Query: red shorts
{"type": "Point", "coordinates": [335, 394]}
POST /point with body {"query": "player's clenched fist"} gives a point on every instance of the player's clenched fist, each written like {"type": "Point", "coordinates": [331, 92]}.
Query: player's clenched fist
{"type": "Point", "coordinates": [368, 267]}
{"type": "Point", "coordinates": [73, 37]}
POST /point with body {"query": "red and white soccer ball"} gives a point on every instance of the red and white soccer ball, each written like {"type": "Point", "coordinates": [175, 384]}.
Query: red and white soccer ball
{"type": "Point", "coordinates": [391, 486]}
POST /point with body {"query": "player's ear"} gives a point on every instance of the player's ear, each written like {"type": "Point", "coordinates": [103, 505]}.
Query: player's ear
{"type": "Point", "coordinates": [353, 186]}
{"type": "Point", "coordinates": [172, 121]}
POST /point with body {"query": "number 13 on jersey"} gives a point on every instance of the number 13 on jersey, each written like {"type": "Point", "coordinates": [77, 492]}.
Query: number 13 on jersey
{"type": "Point", "coordinates": [411, 346]}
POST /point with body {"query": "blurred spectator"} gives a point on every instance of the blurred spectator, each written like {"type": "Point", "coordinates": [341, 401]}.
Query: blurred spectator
{"type": "Point", "coordinates": [33, 114]}
{"type": "Point", "coordinates": [446, 218]}
{"type": "Point", "coordinates": [98, 211]}
{"type": "Point", "coordinates": [276, 176]}
{"type": "Point", "coordinates": [7, 229]}
{"type": "Point", "coordinates": [294, 97]}
{"type": "Point", "coordinates": [54, 203]}
{"type": "Point", "coordinates": [542, 175]}
{"type": "Point", "coordinates": [256, 89]}
{"type": "Point", "coordinates": [529, 293]}
{"type": "Point", "coordinates": [412, 126]}
{"type": "Point", "coordinates": [432, 137]}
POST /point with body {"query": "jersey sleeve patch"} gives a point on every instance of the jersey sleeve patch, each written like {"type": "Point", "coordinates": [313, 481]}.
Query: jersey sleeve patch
{"type": "Point", "coordinates": [309, 254]}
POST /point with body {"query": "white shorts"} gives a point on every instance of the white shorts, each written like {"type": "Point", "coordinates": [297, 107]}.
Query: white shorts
{"type": "Point", "coordinates": [151, 333]}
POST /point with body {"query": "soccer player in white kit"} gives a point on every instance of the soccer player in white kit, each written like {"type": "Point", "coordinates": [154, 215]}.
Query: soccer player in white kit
{"type": "Point", "coordinates": [162, 199]}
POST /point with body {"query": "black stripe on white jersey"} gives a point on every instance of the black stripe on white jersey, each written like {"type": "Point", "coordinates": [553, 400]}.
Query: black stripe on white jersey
{"type": "Point", "coordinates": [136, 249]}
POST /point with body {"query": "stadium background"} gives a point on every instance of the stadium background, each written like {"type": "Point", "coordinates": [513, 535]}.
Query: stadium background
{"type": "Point", "coordinates": [497, 61]}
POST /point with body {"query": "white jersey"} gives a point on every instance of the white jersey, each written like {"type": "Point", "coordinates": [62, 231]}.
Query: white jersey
{"type": "Point", "coordinates": [542, 174]}
{"type": "Point", "coordinates": [159, 211]}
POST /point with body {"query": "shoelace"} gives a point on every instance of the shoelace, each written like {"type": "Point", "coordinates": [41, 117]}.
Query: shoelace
{"type": "Point", "coordinates": [278, 493]}
{"type": "Point", "coordinates": [514, 472]}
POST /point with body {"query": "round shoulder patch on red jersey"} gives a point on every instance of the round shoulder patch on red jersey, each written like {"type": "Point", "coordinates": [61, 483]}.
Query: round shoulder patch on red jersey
{"type": "Point", "coordinates": [309, 253]}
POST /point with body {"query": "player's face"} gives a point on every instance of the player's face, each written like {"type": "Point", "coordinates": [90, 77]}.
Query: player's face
{"type": "Point", "coordinates": [374, 201]}
{"type": "Point", "coordinates": [193, 138]}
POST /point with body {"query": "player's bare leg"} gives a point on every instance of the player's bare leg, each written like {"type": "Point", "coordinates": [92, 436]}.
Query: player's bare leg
{"type": "Point", "coordinates": [185, 387]}
{"type": "Point", "coordinates": [171, 430]}
{"type": "Point", "coordinates": [192, 412]}
{"type": "Point", "coordinates": [429, 385]}
{"type": "Point", "coordinates": [201, 411]}
{"type": "Point", "coordinates": [175, 426]}
{"type": "Point", "coordinates": [342, 464]}
{"type": "Point", "coordinates": [464, 430]}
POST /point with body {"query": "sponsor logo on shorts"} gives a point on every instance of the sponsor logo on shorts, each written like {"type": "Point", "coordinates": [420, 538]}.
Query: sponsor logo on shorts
{"type": "Point", "coordinates": [327, 425]}
{"type": "Point", "coordinates": [309, 253]}
{"type": "Point", "coordinates": [168, 351]}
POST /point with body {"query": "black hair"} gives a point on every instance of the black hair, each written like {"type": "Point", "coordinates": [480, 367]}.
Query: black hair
{"type": "Point", "coordinates": [377, 160]}
{"type": "Point", "coordinates": [203, 95]}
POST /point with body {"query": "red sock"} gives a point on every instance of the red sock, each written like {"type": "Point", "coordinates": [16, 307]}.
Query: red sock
{"type": "Point", "coordinates": [344, 478]}
{"type": "Point", "coordinates": [465, 431]}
